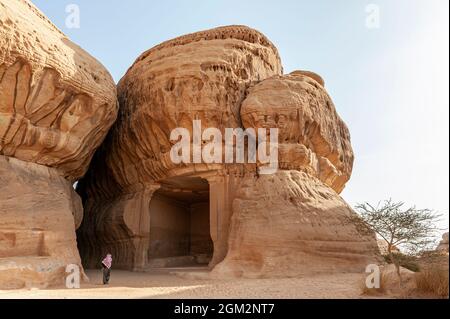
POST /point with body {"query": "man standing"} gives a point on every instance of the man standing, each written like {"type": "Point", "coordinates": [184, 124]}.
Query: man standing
{"type": "Point", "coordinates": [106, 264]}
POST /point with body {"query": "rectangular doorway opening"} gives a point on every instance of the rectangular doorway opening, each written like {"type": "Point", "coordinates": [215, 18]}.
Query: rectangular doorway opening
{"type": "Point", "coordinates": [179, 224]}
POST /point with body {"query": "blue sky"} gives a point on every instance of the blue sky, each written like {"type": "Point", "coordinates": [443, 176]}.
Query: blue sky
{"type": "Point", "coordinates": [389, 84]}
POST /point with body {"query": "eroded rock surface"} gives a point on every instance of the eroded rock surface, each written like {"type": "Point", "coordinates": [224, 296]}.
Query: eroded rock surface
{"type": "Point", "coordinates": [289, 223]}
{"type": "Point", "coordinates": [202, 76]}
{"type": "Point", "coordinates": [56, 101]}
{"type": "Point", "coordinates": [312, 136]}
{"type": "Point", "coordinates": [56, 105]}
{"type": "Point", "coordinates": [39, 210]}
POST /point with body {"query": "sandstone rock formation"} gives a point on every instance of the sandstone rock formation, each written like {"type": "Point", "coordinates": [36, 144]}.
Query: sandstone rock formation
{"type": "Point", "coordinates": [292, 224]}
{"type": "Point", "coordinates": [199, 76]}
{"type": "Point", "coordinates": [141, 207]}
{"type": "Point", "coordinates": [443, 244]}
{"type": "Point", "coordinates": [39, 211]}
{"type": "Point", "coordinates": [312, 136]}
{"type": "Point", "coordinates": [56, 105]}
{"type": "Point", "coordinates": [203, 76]}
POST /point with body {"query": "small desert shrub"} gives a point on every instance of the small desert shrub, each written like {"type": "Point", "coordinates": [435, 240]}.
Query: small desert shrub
{"type": "Point", "coordinates": [405, 261]}
{"type": "Point", "coordinates": [433, 280]}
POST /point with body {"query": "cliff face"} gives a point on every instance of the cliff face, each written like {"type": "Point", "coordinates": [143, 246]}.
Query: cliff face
{"type": "Point", "coordinates": [56, 105]}
{"type": "Point", "coordinates": [285, 224]}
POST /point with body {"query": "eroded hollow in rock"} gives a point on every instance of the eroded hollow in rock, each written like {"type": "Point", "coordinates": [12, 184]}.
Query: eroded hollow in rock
{"type": "Point", "coordinates": [180, 224]}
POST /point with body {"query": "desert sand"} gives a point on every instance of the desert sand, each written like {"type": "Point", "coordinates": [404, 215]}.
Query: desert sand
{"type": "Point", "coordinates": [167, 284]}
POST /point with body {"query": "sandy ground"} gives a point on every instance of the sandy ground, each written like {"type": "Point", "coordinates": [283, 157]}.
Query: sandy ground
{"type": "Point", "coordinates": [166, 284]}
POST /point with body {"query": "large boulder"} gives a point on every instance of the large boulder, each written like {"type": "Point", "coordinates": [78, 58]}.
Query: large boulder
{"type": "Point", "coordinates": [288, 223]}
{"type": "Point", "coordinates": [56, 105]}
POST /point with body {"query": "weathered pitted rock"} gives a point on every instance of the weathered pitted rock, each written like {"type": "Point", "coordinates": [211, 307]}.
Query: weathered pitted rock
{"type": "Point", "coordinates": [201, 76]}
{"type": "Point", "coordinates": [56, 101]}
{"type": "Point", "coordinates": [56, 105]}
{"type": "Point", "coordinates": [286, 224]}
{"type": "Point", "coordinates": [312, 136]}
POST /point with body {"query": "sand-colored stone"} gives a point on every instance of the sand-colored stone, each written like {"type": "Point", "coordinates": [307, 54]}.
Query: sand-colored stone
{"type": "Point", "coordinates": [290, 224]}
{"type": "Point", "coordinates": [39, 211]}
{"type": "Point", "coordinates": [56, 101]}
{"type": "Point", "coordinates": [202, 76]}
{"type": "Point", "coordinates": [312, 136]}
{"type": "Point", "coordinates": [56, 105]}
{"type": "Point", "coordinates": [443, 244]}
{"type": "Point", "coordinates": [286, 224]}
{"type": "Point", "coordinates": [383, 247]}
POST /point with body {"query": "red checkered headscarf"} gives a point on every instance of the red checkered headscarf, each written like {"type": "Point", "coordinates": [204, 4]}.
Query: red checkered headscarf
{"type": "Point", "coordinates": [107, 261]}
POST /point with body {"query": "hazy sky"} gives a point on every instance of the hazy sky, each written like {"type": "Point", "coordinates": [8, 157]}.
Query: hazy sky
{"type": "Point", "coordinates": [389, 84]}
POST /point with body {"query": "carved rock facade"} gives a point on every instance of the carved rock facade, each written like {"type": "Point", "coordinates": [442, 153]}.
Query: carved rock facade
{"type": "Point", "coordinates": [146, 210]}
